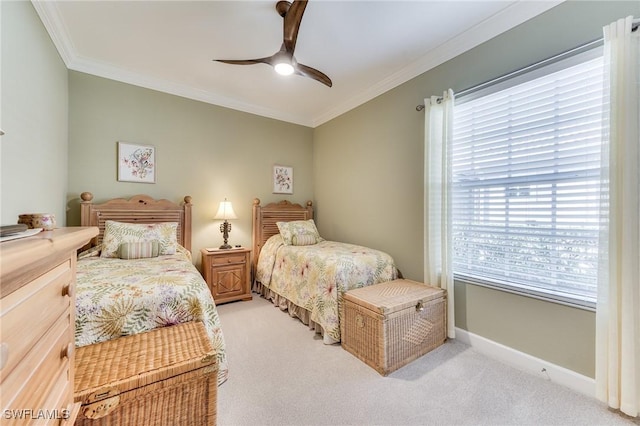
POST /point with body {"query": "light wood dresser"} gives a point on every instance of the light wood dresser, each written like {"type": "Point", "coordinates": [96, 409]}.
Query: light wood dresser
{"type": "Point", "coordinates": [37, 314]}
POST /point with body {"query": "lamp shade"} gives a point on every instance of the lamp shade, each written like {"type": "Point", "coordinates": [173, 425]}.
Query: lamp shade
{"type": "Point", "coordinates": [225, 211]}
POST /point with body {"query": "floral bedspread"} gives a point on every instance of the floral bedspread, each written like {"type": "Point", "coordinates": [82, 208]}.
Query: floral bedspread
{"type": "Point", "coordinates": [117, 297]}
{"type": "Point", "coordinates": [314, 277]}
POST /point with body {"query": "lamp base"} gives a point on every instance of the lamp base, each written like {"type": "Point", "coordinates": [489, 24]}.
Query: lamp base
{"type": "Point", "coordinates": [225, 228]}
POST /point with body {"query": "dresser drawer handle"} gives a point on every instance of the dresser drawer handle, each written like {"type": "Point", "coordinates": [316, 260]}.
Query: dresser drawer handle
{"type": "Point", "coordinates": [67, 351]}
{"type": "Point", "coordinates": [67, 290]}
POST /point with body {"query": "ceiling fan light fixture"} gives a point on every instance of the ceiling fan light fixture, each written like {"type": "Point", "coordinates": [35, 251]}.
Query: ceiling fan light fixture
{"type": "Point", "coordinates": [283, 63]}
{"type": "Point", "coordinates": [284, 68]}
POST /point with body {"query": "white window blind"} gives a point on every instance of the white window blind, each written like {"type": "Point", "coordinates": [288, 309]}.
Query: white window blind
{"type": "Point", "coordinates": [526, 187]}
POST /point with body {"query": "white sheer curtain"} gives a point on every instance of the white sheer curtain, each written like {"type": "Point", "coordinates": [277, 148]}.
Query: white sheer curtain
{"type": "Point", "coordinates": [438, 128]}
{"type": "Point", "coordinates": [618, 306]}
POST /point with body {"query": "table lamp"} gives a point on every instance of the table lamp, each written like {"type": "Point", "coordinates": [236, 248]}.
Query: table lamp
{"type": "Point", "coordinates": [225, 211]}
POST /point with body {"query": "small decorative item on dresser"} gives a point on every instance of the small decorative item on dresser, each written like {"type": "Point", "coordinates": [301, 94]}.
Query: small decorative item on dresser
{"type": "Point", "coordinates": [46, 221]}
{"type": "Point", "coordinates": [6, 230]}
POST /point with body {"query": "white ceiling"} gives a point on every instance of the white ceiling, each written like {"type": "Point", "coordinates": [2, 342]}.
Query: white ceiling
{"type": "Point", "coordinates": [366, 47]}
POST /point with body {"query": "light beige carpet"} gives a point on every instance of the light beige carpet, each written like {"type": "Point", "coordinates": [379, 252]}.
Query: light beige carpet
{"type": "Point", "coordinates": [280, 373]}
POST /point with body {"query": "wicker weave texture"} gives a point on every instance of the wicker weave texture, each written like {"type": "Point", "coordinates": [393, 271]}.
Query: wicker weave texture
{"type": "Point", "coordinates": [393, 295]}
{"type": "Point", "coordinates": [167, 376]}
{"type": "Point", "coordinates": [389, 341]}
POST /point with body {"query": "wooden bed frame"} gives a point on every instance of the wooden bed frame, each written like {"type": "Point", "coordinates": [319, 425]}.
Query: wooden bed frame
{"type": "Point", "coordinates": [265, 218]}
{"type": "Point", "coordinates": [137, 209]}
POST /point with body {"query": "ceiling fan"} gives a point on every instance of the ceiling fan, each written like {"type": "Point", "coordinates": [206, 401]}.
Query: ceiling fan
{"type": "Point", "coordinates": [283, 60]}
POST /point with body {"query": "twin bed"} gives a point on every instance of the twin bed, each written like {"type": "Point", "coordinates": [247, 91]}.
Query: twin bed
{"type": "Point", "coordinates": [125, 292]}
{"type": "Point", "coordinates": [302, 273]}
{"type": "Point", "coordinates": [138, 273]}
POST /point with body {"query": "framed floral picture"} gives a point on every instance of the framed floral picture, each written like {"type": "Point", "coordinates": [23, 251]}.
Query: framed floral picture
{"type": "Point", "coordinates": [282, 180]}
{"type": "Point", "coordinates": [136, 163]}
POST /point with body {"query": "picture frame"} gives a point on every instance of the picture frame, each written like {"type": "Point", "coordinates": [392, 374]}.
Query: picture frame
{"type": "Point", "coordinates": [136, 163]}
{"type": "Point", "coordinates": [282, 179]}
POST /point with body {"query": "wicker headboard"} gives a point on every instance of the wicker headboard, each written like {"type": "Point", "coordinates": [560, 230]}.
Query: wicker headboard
{"type": "Point", "coordinates": [265, 218]}
{"type": "Point", "coordinates": [137, 209]}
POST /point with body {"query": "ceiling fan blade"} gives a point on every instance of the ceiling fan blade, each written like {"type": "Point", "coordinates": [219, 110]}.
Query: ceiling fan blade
{"type": "Point", "coordinates": [313, 73]}
{"type": "Point", "coordinates": [292, 21]}
{"type": "Point", "coordinates": [283, 60]}
{"type": "Point", "coordinates": [246, 61]}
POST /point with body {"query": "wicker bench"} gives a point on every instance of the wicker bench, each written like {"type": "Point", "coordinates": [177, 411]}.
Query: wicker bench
{"type": "Point", "coordinates": [388, 325]}
{"type": "Point", "coordinates": [167, 376]}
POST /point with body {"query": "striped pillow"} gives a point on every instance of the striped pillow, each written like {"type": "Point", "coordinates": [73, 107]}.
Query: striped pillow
{"type": "Point", "coordinates": [303, 240]}
{"type": "Point", "coordinates": [139, 250]}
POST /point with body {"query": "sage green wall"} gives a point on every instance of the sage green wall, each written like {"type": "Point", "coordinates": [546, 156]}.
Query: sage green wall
{"type": "Point", "coordinates": [205, 151]}
{"type": "Point", "coordinates": [33, 97]}
{"type": "Point", "coordinates": [368, 177]}
{"type": "Point", "coordinates": [363, 169]}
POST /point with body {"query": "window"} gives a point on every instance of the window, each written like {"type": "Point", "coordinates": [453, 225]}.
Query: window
{"type": "Point", "coordinates": [526, 187]}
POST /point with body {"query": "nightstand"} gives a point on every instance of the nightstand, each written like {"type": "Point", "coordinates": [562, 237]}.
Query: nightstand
{"type": "Point", "coordinates": [227, 273]}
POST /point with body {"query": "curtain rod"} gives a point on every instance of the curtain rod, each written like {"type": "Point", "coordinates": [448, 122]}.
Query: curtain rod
{"type": "Point", "coordinates": [589, 45]}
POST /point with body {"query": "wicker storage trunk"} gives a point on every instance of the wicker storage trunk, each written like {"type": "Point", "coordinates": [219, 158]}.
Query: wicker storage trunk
{"type": "Point", "coordinates": [388, 325]}
{"type": "Point", "coordinates": [167, 376]}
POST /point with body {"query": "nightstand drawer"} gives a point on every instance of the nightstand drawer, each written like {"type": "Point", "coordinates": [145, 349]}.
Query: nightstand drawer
{"type": "Point", "coordinates": [229, 259]}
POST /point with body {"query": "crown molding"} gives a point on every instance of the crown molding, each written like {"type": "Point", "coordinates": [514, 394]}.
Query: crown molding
{"type": "Point", "coordinates": [503, 21]}
{"type": "Point", "coordinates": [118, 74]}
{"type": "Point", "coordinates": [54, 24]}
{"type": "Point", "coordinates": [508, 18]}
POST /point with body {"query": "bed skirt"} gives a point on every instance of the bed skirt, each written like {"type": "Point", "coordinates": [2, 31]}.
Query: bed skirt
{"type": "Point", "coordinates": [294, 310]}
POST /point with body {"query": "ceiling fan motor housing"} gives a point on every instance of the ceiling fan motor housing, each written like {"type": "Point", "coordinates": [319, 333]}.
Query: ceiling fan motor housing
{"type": "Point", "coordinates": [282, 7]}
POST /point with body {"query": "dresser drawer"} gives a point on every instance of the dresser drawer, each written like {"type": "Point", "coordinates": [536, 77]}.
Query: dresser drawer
{"type": "Point", "coordinates": [230, 259]}
{"type": "Point", "coordinates": [32, 380]}
{"type": "Point", "coordinates": [46, 298]}
{"type": "Point", "coordinates": [60, 401]}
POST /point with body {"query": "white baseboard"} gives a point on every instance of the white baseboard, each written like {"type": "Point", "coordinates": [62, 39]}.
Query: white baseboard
{"type": "Point", "coordinates": [536, 366]}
